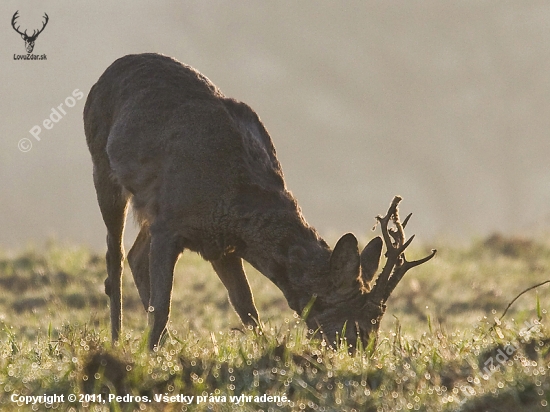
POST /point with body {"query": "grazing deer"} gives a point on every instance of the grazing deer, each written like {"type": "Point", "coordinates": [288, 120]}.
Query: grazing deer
{"type": "Point", "coordinates": [202, 174]}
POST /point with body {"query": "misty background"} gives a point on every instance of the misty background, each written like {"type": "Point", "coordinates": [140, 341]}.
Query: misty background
{"type": "Point", "coordinates": [444, 103]}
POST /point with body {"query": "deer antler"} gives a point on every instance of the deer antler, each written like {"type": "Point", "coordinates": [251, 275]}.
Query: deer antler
{"type": "Point", "coordinates": [396, 264]}
{"type": "Point", "coordinates": [43, 26]}
{"type": "Point", "coordinates": [35, 33]}
{"type": "Point", "coordinates": [15, 16]}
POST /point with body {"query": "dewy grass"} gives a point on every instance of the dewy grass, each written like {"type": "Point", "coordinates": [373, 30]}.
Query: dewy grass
{"type": "Point", "coordinates": [54, 340]}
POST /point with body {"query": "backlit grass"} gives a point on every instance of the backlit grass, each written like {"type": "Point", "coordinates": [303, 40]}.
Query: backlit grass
{"type": "Point", "coordinates": [439, 347]}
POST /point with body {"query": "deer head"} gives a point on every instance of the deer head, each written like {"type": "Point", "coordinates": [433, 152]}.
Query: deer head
{"type": "Point", "coordinates": [29, 40]}
{"type": "Point", "coordinates": [357, 302]}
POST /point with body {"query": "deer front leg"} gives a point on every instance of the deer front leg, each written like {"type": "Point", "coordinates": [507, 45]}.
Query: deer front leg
{"type": "Point", "coordinates": [164, 254]}
{"type": "Point", "coordinates": [231, 272]}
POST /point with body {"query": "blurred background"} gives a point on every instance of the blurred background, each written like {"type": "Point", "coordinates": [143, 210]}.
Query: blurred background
{"type": "Point", "coordinates": [444, 103]}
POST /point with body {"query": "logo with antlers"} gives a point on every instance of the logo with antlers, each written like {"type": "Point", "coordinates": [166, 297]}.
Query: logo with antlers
{"type": "Point", "coordinates": [29, 40]}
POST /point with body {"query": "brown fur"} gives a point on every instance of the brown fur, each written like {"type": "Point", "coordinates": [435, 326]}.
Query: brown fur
{"type": "Point", "coordinates": [202, 174]}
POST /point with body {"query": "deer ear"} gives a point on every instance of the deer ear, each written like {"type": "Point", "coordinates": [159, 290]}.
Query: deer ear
{"type": "Point", "coordinates": [344, 262]}
{"type": "Point", "coordinates": [370, 259]}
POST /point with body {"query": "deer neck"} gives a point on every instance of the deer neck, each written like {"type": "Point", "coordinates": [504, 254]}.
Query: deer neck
{"type": "Point", "coordinates": [294, 257]}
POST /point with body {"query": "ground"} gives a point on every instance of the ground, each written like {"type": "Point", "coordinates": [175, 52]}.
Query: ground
{"type": "Point", "coordinates": [441, 346]}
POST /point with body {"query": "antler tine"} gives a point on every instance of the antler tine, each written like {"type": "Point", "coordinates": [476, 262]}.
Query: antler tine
{"type": "Point", "coordinates": [399, 272]}
{"type": "Point", "coordinates": [384, 220]}
{"type": "Point", "coordinates": [406, 245]}
{"type": "Point", "coordinates": [406, 220]}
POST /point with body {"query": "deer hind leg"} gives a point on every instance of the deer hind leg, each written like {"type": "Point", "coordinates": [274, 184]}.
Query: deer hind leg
{"type": "Point", "coordinates": [113, 202]}
{"type": "Point", "coordinates": [138, 258]}
{"type": "Point", "coordinates": [163, 255]}
{"type": "Point", "coordinates": [231, 272]}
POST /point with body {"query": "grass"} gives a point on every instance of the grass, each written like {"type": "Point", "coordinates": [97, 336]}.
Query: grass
{"type": "Point", "coordinates": [439, 348]}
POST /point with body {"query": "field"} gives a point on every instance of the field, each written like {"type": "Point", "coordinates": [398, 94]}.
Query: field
{"type": "Point", "coordinates": [441, 345]}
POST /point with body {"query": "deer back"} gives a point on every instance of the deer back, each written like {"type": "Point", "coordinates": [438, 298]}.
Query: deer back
{"type": "Point", "coordinates": [184, 150]}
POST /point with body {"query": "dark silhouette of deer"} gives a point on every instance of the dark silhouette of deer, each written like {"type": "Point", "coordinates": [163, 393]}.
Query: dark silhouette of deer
{"type": "Point", "coordinates": [29, 40]}
{"type": "Point", "coordinates": [202, 174]}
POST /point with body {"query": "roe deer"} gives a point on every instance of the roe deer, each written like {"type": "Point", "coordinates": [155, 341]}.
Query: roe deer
{"type": "Point", "coordinates": [202, 174]}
